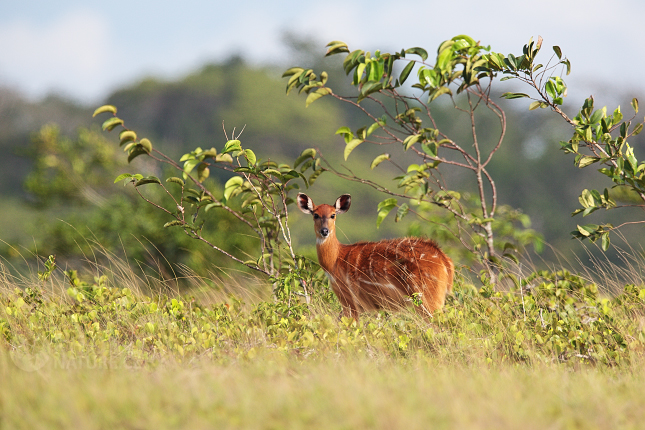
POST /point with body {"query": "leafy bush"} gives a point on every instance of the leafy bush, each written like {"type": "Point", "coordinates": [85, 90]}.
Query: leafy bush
{"type": "Point", "coordinates": [598, 136]}
{"type": "Point", "coordinates": [74, 179]}
{"type": "Point", "coordinates": [553, 317]}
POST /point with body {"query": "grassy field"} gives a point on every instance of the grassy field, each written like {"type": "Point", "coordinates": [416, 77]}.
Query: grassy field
{"type": "Point", "coordinates": [336, 393]}
{"type": "Point", "coordinates": [104, 351]}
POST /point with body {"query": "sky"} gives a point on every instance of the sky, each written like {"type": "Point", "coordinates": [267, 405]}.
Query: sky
{"type": "Point", "coordinates": [85, 50]}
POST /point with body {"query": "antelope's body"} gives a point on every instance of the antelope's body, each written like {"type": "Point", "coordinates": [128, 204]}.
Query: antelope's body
{"type": "Point", "coordinates": [378, 275]}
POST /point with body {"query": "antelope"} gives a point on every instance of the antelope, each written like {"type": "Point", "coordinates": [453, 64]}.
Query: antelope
{"type": "Point", "coordinates": [378, 275]}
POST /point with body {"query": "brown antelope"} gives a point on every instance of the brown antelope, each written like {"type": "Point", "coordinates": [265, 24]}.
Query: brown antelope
{"type": "Point", "coordinates": [378, 275]}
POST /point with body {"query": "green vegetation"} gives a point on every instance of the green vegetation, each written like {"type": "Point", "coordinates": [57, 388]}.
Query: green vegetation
{"type": "Point", "coordinates": [598, 137]}
{"type": "Point", "coordinates": [69, 346]}
{"type": "Point", "coordinates": [464, 71]}
{"type": "Point", "coordinates": [180, 343]}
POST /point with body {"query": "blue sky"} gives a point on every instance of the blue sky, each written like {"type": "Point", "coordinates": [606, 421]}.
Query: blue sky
{"type": "Point", "coordinates": [85, 49]}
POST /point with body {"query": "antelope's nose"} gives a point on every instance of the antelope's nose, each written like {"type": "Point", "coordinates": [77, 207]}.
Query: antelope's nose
{"type": "Point", "coordinates": [324, 232]}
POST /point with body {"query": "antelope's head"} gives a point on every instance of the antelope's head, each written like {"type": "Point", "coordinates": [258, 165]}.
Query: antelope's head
{"type": "Point", "coordinates": [324, 215]}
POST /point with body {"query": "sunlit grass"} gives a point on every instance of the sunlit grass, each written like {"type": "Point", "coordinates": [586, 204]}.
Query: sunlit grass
{"type": "Point", "coordinates": [277, 392]}
{"type": "Point", "coordinates": [121, 348]}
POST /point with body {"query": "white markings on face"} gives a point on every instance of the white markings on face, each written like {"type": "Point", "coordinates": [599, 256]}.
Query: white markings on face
{"type": "Point", "coordinates": [321, 240]}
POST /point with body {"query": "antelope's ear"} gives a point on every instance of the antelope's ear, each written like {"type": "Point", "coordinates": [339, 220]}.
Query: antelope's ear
{"type": "Point", "coordinates": [305, 203]}
{"type": "Point", "coordinates": [342, 203]}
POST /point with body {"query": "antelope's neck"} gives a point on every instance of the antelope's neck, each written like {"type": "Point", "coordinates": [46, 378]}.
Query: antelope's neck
{"type": "Point", "coordinates": [328, 252]}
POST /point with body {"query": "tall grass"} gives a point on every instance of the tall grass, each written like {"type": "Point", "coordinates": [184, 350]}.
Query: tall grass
{"type": "Point", "coordinates": [117, 347]}
{"type": "Point", "coordinates": [278, 392]}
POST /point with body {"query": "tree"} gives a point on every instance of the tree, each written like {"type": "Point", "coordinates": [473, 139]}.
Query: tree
{"type": "Point", "coordinates": [404, 120]}
{"type": "Point", "coordinates": [256, 196]}
{"type": "Point", "coordinates": [598, 136]}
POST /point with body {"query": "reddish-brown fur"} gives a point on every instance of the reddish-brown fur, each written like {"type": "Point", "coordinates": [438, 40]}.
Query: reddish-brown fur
{"type": "Point", "coordinates": [378, 275]}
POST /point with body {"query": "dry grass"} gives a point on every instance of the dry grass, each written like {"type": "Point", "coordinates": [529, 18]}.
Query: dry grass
{"type": "Point", "coordinates": [260, 376]}
{"type": "Point", "coordinates": [274, 392]}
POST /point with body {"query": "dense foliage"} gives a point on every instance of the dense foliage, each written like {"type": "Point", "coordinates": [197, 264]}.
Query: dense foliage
{"type": "Point", "coordinates": [551, 317]}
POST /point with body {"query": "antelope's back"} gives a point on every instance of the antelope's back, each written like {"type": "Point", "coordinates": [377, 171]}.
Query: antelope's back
{"type": "Point", "coordinates": [390, 271]}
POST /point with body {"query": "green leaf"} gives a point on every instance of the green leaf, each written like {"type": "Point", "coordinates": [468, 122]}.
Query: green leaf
{"type": "Point", "coordinates": [105, 108]}
{"type": "Point", "coordinates": [378, 160]}
{"type": "Point", "coordinates": [336, 47]}
{"type": "Point", "coordinates": [515, 95]}
{"type": "Point", "coordinates": [590, 231]}
{"type": "Point", "coordinates": [418, 51]}
{"type": "Point", "coordinates": [147, 180]}
{"type": "Point", "coordinates": [224, 158]}
{"type": "Point", "coordinates": [431, 148]}
{"type": "Point", "coordinates": [411, 140]}
{"type": "Point", "coordinates": [250, 157]}
{"type": "Point", "coordinates": [291, 174]}
{"type": "Point", "coordinates": [586, 161]}
{"type": "Point", "coordinates": [373, 127]}
{"type": "Point", "coordinates": [306, 154]}
{"type": "Point", "coordinates": [146, 144]}
{"type": "Point", "coordinates": [127, 136]}
{"type": "Point", "coordinates": [604, 239]}
{"type": "Point", "coordinates": [231, 185]}
{"type": "Point", "coordinates": [369, 88]}
{"type": "Point", "coordinates": [568, 64]}
{"type": "Point", "coordinates": [212, 205]}
{"type": "Point", "coordinates": [314, 176]}
{"type": "Point", "coordinates": [635, 105]}
{"type": "Point", "coordinates": [438, 92]}
{"type": "Point", "coordinates": [122, 177]}
{"type": "Point", "coordinates": [351, 60]}
{"type": "Point", "coordinates": [209, 153]}
{"type": "Point", "coordinates": [231, 146]}
{"type": "Point", "coordinates": [203, 172]}
{"type": "Point", "coordinates": [534, 105]}
{"type": "Point", "coordinates": [189, 165]}
{"type": "Point", "coordinates": [597, 115]}
{"type": "Point", "coordinates": [550, 89]}
{"type": "Point", "coordinates": [111, 123]}
{"type": "Point", "coordinates": [320, 92]}
{"type": "Point", "coordinates": [294, 81]}
{"type": "Point", "coordinates": [135, 152]}
{"type": "Point", "coordinates": [350, 146]}
{"type": "Point", "coordinates": [273, 172]}
{"type": "Point", "coordinates": [401, 212]}
{"type": "Point", "coordinates": [617, 116]}
{"type": "Point", "coordinates": [558, 52]}
{"type": "Point", "coordinates": [406, 72]}
{"type": "Point", "coordinates": [176, 180]}
{"type": "Point", "coordinates": [292, 71]}
{"type": "Point", "coordinates": [384, 208]}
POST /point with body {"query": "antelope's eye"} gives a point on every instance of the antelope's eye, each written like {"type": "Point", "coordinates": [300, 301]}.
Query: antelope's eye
{"type": "Point", "coordinates": [316, 216]}
{"type": "Point", "coordinates": [333, 216]}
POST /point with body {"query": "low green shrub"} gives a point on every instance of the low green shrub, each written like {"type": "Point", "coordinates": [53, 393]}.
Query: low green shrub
{"type": "Point", "coordinates": [551, 317]}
